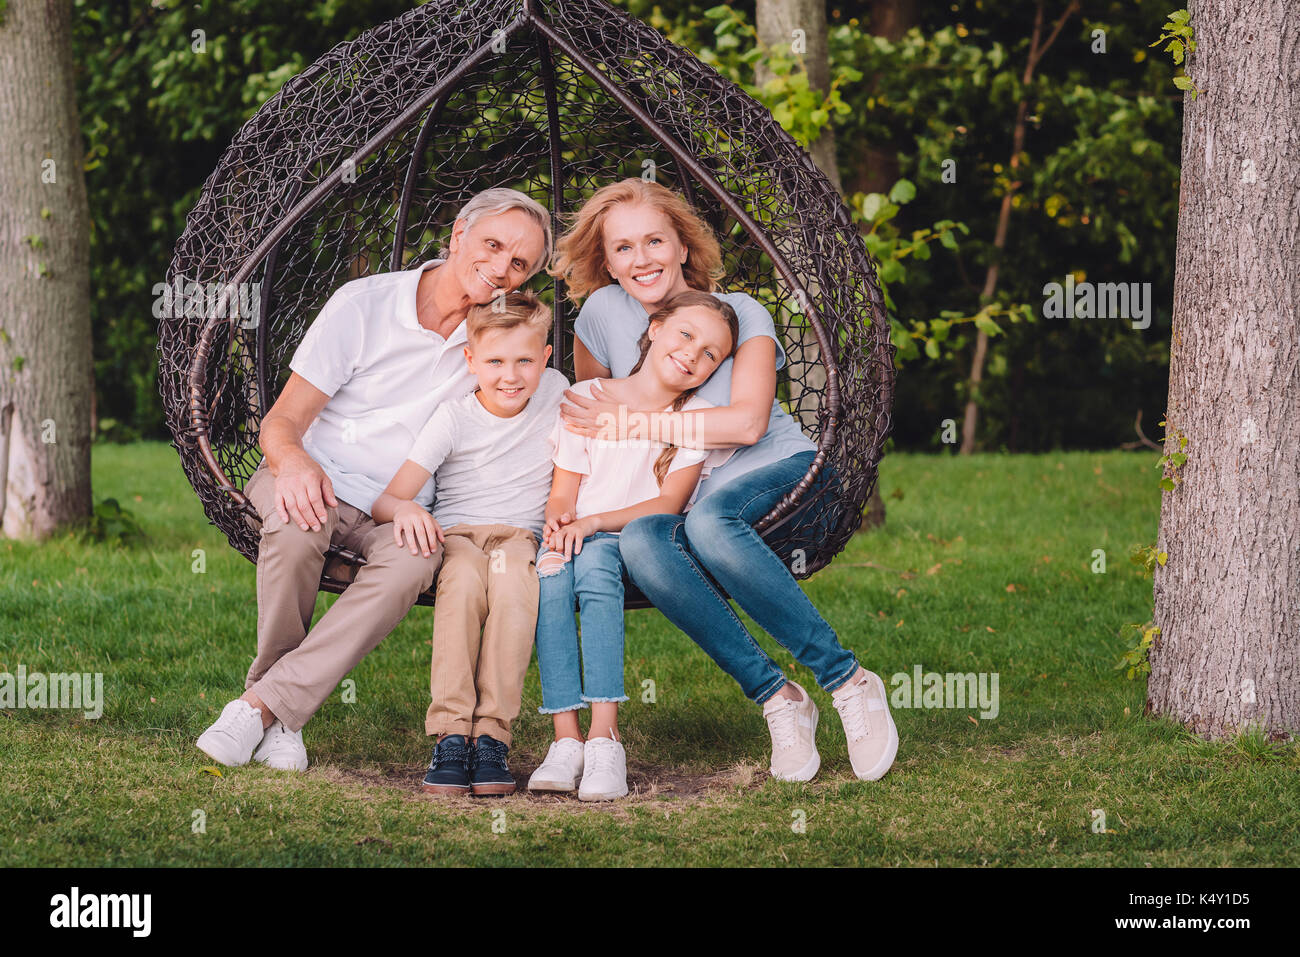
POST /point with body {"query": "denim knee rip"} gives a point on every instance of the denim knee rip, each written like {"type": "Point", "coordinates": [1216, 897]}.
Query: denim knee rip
{"type": "Point", "coordinates": [552, 563]}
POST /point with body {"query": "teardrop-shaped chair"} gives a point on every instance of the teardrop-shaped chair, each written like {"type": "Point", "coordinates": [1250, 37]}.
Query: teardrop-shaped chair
{"type": "Point", "coordinates": [360, 163]}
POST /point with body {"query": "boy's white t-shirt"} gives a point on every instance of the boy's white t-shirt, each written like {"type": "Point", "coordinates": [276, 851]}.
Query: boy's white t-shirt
{"type": "Point", "coordinates": [384, 374]}
{"type": "Point", "coordinates": [488, 470]}
{"type": "Point", "coordinates": [616, 474]}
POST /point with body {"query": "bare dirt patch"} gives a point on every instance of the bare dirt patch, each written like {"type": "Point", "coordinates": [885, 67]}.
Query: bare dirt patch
{"type": "Point", "coordinates": [647, 784]}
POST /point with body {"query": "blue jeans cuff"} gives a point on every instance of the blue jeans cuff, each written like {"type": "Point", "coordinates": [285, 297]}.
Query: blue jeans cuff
{"type": "Point", "coordinates": [832, 685]}
{"type": "Point", "coordinates": [619, 700]}
{"type": "Point", "coordinates": [572, 707]}
{"type": "Point", "coordinates": [762, 696]}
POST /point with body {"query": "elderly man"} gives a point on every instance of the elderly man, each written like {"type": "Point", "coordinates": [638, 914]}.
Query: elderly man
{"type": "Point", "coordinates": [383, 353]}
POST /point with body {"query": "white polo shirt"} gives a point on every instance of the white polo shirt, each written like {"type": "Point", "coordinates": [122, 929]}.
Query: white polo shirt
{"type": "Point", "coordinates": [384, 374]}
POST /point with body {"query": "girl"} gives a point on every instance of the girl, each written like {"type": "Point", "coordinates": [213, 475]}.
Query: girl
{"type": "Point", "coordinates": [633, 245]}
{"type": "Point", "coordinates": [598, 487]}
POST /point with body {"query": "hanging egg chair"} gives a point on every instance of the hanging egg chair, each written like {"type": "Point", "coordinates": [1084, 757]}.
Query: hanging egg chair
{"type": "Point", "coordinates": [360, 163]}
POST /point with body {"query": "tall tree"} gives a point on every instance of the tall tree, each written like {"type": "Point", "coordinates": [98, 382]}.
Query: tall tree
{"type": "Point", "coordinates": [879, 169]}
{"type": "Point", "coordinates": [1227, 603]}
{"type": "Point", "coordinates": [1037, 47]}
{"type": "Point", "coordinates": [45, 351]}
{"type": "Point", "coordinates": [777, 22]}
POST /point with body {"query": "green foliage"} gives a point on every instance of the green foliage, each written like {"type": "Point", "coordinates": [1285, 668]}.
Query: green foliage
{"type": "Point", "coordinates": [111, 524]}
{"type": "Point", "coordinates": [1147, 557]}
{"type": "Point", "coordinates": [1178, 31]}
{"type": "Point", "coordinates": [1097, 196]}
{"type": "Point", "coordinates": [1097, 193]}
{"type": "Point", "coordinates": [891, 248]}
{"type": "Point", "coordinates": [155, 115]}
{"type": "Point", "coordinates": [1170, 462]}
{"type": "Point", "coordinates": [1136, 659]}
{"type": "Point", "coordinates": [801, 111]}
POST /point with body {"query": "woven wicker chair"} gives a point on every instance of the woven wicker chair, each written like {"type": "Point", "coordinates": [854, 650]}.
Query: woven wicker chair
{"type": "Point", "coordinates": [360, 163]}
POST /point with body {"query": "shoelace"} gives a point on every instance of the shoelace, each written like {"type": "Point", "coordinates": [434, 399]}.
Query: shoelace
{"type": "Point", "coordinates": [448, 752]}
{"type": "Point", "coordinates": [853, 712]}
{"type": "Point", "coordinates": [278, 735]}
{"type": "Point", "coordinates": [782, 721]}
{"type": "Point", "coordinates": [603, 757]}
{"type": "Point", "coordinates": [492, 754]}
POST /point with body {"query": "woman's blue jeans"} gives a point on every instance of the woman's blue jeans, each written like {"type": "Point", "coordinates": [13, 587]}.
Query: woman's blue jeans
{"type": "Point", "coordinates": [572, 676]}
{"type": "Point", "coordinates": [679, 560]}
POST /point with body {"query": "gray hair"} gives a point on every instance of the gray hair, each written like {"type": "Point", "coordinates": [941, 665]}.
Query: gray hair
{"type": "Point", "coordinates": [500, 199]}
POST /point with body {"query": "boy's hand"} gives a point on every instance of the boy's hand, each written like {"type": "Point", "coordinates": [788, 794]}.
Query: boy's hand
{"type": "Point", "coordinates": [568, 539]}
{"type": "Point", "coordinates": [423, 533]}
{"type": "Point", "coordinates": [554, 523]}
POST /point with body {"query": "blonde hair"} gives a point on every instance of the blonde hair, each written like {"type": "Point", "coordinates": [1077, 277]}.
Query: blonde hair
{"type": "Point", "coordinates": [580, 251]}
{"type": "Point", "coordinates": [514, 309]}
{"type": "Point", "coordinates": [692, 297]}
{"type": "Point", "coordinates": [499, 199]}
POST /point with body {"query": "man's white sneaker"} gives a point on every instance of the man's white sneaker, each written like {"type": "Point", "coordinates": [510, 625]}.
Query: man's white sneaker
{"type": "Point", "coordinates": [562, 768]}
{"type": "Point", "coordinates": [604, 774]}
{"type": "Point", "coordinates": [233, 736]}
{"type": "Point", "coordinates": [282, 749]}
{"type": "Point", "coordinates": [868, 726]}
{"type": "Point", "coordinates": [793, 726]}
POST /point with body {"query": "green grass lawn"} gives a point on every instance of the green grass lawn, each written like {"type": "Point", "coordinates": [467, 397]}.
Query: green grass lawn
{"type": "Point", "coordinates": [984, 565]}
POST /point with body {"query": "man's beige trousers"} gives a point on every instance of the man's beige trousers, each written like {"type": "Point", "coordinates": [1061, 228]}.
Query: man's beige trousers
{"type": "Point", "coordinates": [295, 669]}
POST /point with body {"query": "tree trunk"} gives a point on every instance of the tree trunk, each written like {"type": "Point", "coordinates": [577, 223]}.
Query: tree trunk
{"type": "Point", "coordinates": [1228, 601]}
{"type": "Point", "coordinates": [46, 375]}
{"type": "Point", "coordinates": [776, 22]}
{"type": "Point", "coordinates": [879, 168]}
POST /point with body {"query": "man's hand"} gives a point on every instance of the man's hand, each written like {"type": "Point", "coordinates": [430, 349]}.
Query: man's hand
{"type": "Point", "coordinates": [302, 492]}
{"type": "Point", "coordinates": [419, 527]}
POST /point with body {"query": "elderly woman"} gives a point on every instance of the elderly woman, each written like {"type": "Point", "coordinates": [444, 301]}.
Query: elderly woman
{"type": "Point", "coordinates": [633, 246]}
{"type": "Point", "coordinates": [383, 353]}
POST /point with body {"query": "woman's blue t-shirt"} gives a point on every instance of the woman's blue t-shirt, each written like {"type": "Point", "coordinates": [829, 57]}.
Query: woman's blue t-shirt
{"type": "Point", "coordinates": [610, 324]}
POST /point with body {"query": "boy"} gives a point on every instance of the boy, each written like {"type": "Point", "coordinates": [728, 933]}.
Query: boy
{"type": "Point", "coordinates": [489, 454]}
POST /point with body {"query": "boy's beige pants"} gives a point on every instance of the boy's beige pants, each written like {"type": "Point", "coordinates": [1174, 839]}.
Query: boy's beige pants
{"type": "Point", "coordinates": [295, 669]}
{"type": "Point", "coordinates": [484, 618]}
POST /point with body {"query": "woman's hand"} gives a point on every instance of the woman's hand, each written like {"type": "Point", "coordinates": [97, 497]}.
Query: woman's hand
{"type": "Point", "coordinates": [598, 417]}
{"type": "Point", "coordinates": [423, 533]}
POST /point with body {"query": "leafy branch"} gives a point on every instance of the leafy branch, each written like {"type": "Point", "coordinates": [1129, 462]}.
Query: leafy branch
{"type": "Point", "coordinates": [1178, 32]}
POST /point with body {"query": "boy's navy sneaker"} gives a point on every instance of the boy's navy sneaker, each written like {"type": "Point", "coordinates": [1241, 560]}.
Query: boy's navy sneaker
{"type": "Point", "coordinates": [488, 772]}
{"type": "Point", "coordinates": [449, 769]}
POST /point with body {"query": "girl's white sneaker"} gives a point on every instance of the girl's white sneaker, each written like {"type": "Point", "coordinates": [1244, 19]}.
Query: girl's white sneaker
{"type": "Point", "coordinates": [868, 726]}
{"type": "Point", "coordinates": [562, 768]}
{"type": "Point", "coordinates": [604, 776]}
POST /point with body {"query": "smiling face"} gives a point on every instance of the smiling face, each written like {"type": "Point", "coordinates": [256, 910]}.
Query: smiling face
{"type": "Point", "coordinates": [687, 347]}
{"type": "Point", "coordinates": [509, 365]}
{"type": "Point", "coordinates": [644, 254]}
{"type": "Point", "coordinates": [496, 254]}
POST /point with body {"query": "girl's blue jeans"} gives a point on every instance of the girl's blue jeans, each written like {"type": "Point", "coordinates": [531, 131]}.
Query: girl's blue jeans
{"type": "Point", "coordinates": [678, 562]}
{"type": "Point", "coordinates": [573, 675]}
